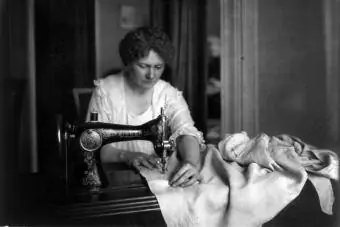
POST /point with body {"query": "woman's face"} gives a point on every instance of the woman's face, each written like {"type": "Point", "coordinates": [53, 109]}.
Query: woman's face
{"type": "Point", "coordinates": [147, 71]}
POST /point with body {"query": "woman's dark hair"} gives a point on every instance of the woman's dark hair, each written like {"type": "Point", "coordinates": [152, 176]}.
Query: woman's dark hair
{"type": "Point", "coordinates": [137, 43]}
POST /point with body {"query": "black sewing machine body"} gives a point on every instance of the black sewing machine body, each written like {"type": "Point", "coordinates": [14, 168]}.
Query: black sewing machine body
{"type": "Point", "coordinates": [84, 141]}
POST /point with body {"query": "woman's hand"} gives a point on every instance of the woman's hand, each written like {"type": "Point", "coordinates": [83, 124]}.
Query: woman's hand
{"type": "Point", "coordinates": [187, 175]}
{"type": "Point", "coordinates": [138, 160]}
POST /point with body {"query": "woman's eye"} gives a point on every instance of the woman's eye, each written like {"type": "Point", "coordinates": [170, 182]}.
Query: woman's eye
{"type": "Point", "coordinates": [142, 66]}
{"type": "Point", "coordinates": [158, 67]}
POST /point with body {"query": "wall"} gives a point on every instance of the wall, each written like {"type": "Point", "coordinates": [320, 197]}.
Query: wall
{"type": "Point", "coordinates": [3, 72]}
{"type": "Point", "coordinates": [281, 68]}
{"type": "Point", "coordinates": [22, 53]}
{"type": "Point", "coordinates": [109, 32]}
{"type": "Point", "coordinates": [291, 69]}
{"type": "Point", "coordinates": [15, 103]}
{"type": "Point", "coordinates": [213, 17]}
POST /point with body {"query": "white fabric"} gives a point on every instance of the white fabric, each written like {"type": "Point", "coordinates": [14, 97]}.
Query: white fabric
{"type": "Point", "coordinates": [325, 192]}
{"type": "Point", "coordinates": [228, 195]}
{"type": "Point", "coordinates": [108, 99]}
{"type": "Point", "coordinates": [247, 182]}
{"type": "Point", "coordinates": [320, 164]}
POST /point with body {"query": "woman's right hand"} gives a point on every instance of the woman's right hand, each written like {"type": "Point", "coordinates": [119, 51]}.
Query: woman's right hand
{"type": "Point", "coordinates": [138, 160]}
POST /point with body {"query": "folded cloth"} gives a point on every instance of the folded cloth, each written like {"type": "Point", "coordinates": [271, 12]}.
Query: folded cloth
{"type": "Point", "coordinates": [245, 183]}
{"type": "Point", "coordinates": [321, 165]}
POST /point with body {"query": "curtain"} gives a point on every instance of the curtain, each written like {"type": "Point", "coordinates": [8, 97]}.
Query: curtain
{"type": "Point", "coordinates": [185, 23]}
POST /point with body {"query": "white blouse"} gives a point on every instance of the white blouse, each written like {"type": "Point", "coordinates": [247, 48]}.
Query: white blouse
{"type": "Point", "coordinates": [108, 99]}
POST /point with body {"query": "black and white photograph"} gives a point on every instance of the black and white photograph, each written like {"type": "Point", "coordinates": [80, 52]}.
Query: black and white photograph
{"type": "Point", "coordinates": [170, 113]}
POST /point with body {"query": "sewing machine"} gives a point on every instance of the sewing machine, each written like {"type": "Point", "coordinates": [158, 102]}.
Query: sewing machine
{"type": "Point", "coordinates": [92, 135]}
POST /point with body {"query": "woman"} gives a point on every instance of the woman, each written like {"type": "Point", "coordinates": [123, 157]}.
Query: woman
{"type": "Point", "coordinates": [136, 96]}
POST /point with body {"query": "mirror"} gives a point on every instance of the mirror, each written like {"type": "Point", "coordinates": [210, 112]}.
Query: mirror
{"type": "Point", "coordinates": [213, 88]}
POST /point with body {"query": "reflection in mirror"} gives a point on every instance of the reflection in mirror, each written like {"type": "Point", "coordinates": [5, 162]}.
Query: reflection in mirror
{"type": "Point", "coordinates": [213, 88]}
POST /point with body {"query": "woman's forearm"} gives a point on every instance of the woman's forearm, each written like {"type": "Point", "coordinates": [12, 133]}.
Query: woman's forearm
{"type": "Point", "coordinates": [189, 149]}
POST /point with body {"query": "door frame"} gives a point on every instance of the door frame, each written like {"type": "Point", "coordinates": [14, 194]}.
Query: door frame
{"type": "Point", "coordinates": [332, 54]}
{"type": "Point", "coordinates": [239, 73]}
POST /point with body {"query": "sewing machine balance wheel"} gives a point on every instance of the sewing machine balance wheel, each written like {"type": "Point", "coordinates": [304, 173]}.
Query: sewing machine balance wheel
{"type": "Point", "coordinates": [63, 142]}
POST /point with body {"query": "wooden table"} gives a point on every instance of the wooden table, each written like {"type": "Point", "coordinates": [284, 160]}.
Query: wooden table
{"type": "Point", "coordinates": [35, 203]}
{"type": "Point", "coordinates": [126, 201]}
{"type": "Point", "coordinates": [134, 205]}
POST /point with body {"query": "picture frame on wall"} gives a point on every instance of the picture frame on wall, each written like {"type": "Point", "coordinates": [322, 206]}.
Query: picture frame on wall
{"type": "Point", "coordinates": [128, 17]}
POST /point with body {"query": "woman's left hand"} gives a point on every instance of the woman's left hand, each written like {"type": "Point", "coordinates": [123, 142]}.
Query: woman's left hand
{"type": "Point", "coordinates": [187, 175]}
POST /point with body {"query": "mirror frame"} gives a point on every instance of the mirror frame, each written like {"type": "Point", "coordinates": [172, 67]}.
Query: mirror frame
{"type": "Point", "coordinates": [239, 101]}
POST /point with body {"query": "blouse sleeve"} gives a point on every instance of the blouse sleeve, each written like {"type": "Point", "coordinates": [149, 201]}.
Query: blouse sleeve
{"type": "Point", "coordinates": [99, 103]}
{"type": "Point", "coordinates": [179, 118]}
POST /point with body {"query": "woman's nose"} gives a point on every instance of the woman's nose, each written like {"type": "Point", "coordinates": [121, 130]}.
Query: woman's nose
{"type": "Point", "coordinates": [151, 74]}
